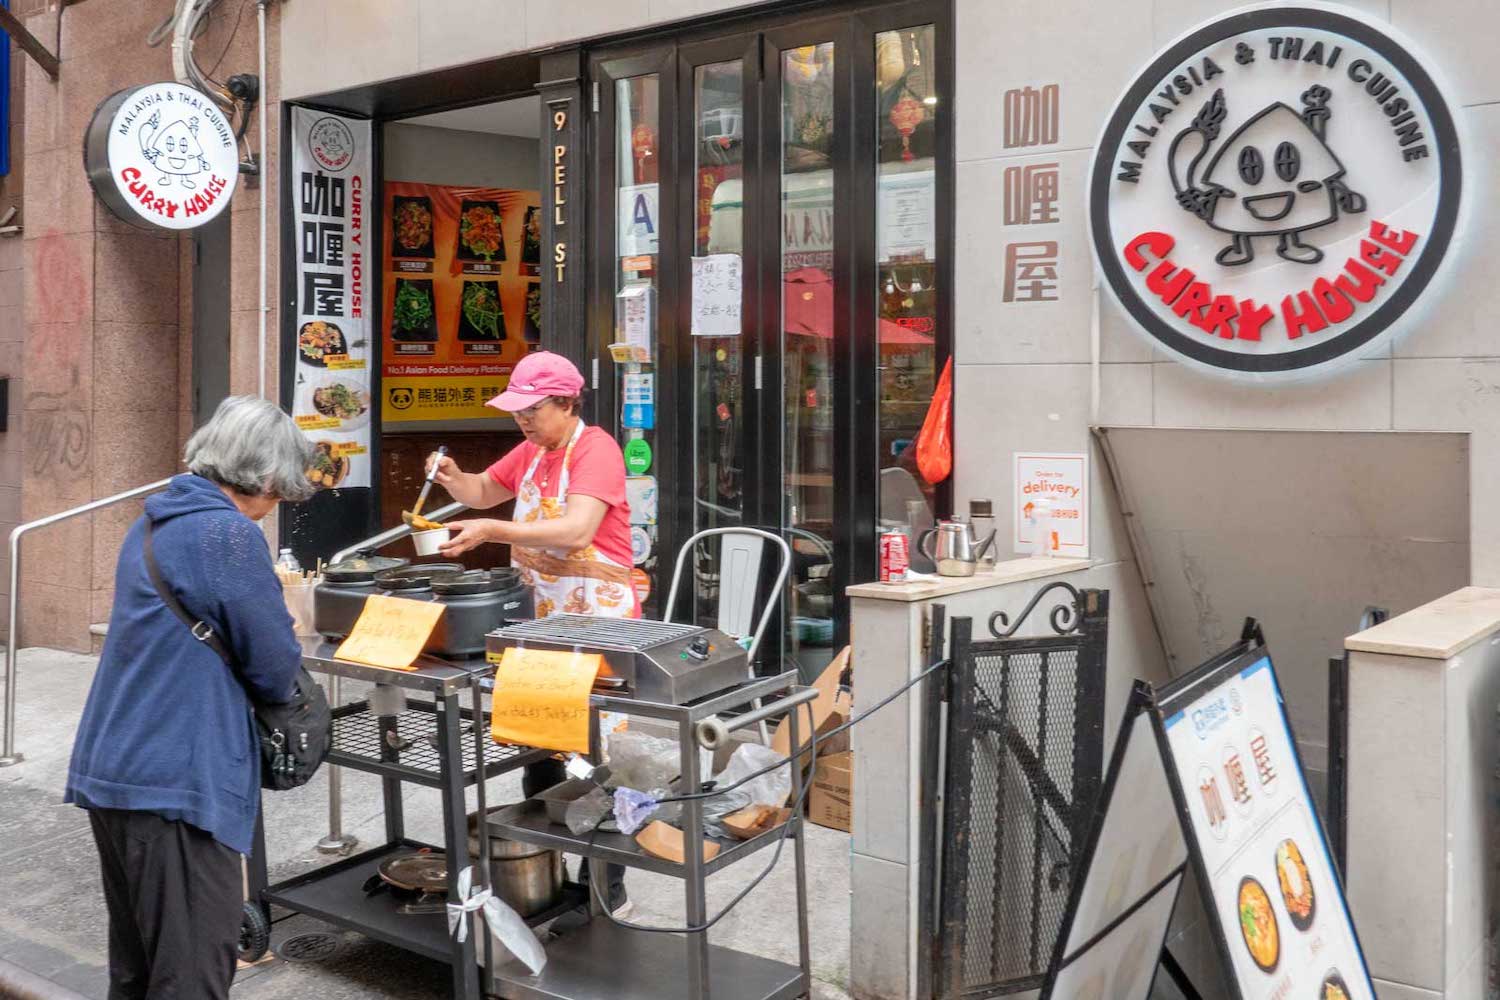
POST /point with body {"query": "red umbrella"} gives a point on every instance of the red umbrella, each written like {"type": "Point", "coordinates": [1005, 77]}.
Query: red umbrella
{"type": "Point", "coordinates": [807, 309]}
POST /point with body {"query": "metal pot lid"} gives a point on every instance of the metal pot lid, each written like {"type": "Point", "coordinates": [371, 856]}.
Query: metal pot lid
{"type": "Point", "coordinates": [502, 848]}
{"type": "Point", "coordinates": [477, 581]}
{"type": "Point", "coordinates": [360, 569]}
{"type": "Point", "coordinates": [418, 576]}
{"type": "Point", "coordinates": [421, 871]}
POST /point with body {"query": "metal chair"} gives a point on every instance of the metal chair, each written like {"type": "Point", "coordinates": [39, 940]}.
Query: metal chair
{"type": "Point", "coordinates": [741, 553]}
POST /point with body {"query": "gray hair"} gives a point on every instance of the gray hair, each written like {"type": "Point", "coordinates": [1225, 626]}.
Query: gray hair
{"type": "Point", "coordinates": [254, 448]}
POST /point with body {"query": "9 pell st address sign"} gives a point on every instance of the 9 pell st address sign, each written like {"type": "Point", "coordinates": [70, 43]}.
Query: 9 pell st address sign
{"type": "Point", "coordinates": [1275, 190]}
{"type": "Point", "coordinates": [162, 155]}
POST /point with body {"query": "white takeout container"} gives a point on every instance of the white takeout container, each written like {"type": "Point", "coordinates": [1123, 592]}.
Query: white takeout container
{"type": "Point", "coordinates": [427, 542]}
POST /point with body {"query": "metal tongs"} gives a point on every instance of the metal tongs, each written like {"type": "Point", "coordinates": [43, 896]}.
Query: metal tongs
{"type": "Point", "coordinates": [413, 516]}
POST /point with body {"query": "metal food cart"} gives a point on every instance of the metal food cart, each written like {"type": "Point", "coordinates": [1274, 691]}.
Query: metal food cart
{"type": "Point", "coordinates": [429, 742]}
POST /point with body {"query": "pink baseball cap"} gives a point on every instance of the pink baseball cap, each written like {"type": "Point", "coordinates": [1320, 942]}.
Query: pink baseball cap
{"type": "Point", "coordinates": [537, 377]}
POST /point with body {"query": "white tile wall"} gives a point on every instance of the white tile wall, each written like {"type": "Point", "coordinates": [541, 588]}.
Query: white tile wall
{"type": "Point", "coordinates": [549, 22]}
{"type": "Point", "coordinates": [1044, 408]}
{"type": "Point", "coordinates": [1088, 48]}
{"type": "Point", "coordinates": [990, 330]}
{"type": "Point", "coordinates": [878, 939]}
{"type": "Point", "coordinates": [1458, 37]}
{"type": "Point", "coordinates": [1457, 318]}
{"type": "Point", "coordinates": [883, 644]}
{"type": "Point", "coordinates": [1395, 708]}
{"type": "Point", "coordinates": [451, 32]}
{"type": "Point", "coordinates": [1170, 18]}
{"type": "Point", "coordinates": [1355, 398]}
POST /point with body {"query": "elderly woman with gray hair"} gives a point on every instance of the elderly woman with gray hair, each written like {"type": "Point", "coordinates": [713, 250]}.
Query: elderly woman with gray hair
{"type": "Point", "coordinates": [165, 760]}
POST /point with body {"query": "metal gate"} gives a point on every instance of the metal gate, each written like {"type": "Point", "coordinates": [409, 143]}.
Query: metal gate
{"type": "Point", "coordinates": [1020, 772]}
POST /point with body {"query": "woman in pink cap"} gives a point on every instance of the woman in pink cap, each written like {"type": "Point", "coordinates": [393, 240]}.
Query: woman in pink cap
{"type": "Point", "coordinates": [570, 534]}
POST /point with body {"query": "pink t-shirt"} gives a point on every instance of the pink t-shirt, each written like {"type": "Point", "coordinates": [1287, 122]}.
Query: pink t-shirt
{"type": "Point", "coordinates": [597, 470]}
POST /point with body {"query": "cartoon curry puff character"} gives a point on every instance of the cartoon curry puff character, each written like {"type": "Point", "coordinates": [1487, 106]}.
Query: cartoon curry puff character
{"type": "Point", "coordinates": [174, 150]}
{"type": "Point", "coordinates": [1274, 176]}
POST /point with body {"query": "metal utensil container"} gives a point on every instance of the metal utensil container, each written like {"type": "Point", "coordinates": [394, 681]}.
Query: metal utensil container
{"type": "Point", "coordinates": [527, 877]}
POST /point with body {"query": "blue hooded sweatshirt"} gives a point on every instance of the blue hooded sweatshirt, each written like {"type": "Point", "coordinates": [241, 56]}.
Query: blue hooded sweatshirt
{"type": "Point", "coordinates": [168, 727]}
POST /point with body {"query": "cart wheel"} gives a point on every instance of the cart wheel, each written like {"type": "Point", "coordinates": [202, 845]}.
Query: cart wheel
{"type": "Point", "coordinates": [255, 933]}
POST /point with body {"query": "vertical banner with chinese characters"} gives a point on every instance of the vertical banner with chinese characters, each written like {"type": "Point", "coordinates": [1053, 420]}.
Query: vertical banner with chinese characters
{"type": "Point", "coordinates": [330, 197]}
{"type": "Point", "coordinates": [463, 297]}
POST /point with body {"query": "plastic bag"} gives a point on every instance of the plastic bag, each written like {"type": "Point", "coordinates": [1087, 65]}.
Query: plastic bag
{"type": "Point", "coordinates": [633, 809]}
{"type": "Point", "coordinates": [770, 789]}
{"type": "Point", "coordinates": [935, 441]}
{"type": "Point", "coordinates": [640, 761]}
{"type": "Point", "coordinates": [644, 762]}
{"type": "Point", "coordinates": [584, 813]}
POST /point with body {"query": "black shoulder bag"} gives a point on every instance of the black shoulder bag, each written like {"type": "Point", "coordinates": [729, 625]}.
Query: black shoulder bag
{"type": "Point", "coordinates": [294, 737]}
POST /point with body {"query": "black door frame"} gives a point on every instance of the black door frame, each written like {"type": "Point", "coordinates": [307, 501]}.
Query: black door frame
{"type": "Point", "coordinates": [758, 38]}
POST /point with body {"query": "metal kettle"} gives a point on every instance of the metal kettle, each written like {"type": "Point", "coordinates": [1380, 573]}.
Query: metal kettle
{"type": "Point", "coordinates": [956, 551]}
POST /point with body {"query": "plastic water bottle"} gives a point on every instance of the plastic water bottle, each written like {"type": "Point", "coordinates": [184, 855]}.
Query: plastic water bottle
{"type": "Point", "coordinates": [287, 561]}
{"type": "Point", "coordinates": [1041, 528]}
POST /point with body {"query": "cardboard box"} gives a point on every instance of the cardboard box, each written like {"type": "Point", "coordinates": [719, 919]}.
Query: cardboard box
{"type": "Point", "coordinates": [830, 803]}
{"type": "Point", "coordinates": [822, 713]}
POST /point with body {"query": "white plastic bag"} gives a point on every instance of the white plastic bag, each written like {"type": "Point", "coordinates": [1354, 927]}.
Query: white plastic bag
{"type": "Point", "coordinates": [769, 789]}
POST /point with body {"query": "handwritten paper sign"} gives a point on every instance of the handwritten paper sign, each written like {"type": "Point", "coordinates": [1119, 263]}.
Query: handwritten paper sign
{"type": "Point", "coordinates": [391, 632]}
{"type": "Point", "coordinates": [716, 295]}
{"type": "Point", "coordinates": [542, 698]}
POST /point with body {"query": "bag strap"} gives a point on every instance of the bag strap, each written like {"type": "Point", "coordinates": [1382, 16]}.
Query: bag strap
{"type": "Point", "coordinates": [202, 630]}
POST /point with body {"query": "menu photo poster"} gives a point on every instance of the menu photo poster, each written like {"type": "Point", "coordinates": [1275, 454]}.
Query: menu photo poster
{"type": "Point", "coordinates": [331, 190]}
{"type": "Point", "coordinates": [1263, 861]}
{"type": "Point", "coordinates": [461, 294]}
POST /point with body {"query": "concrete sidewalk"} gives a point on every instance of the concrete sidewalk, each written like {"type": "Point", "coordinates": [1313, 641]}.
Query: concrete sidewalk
{"type": "Point", "coordinates": [52, 919]}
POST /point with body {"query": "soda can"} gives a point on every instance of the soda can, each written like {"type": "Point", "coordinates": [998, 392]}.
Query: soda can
{"type": "Point", "coordinates": [894, 557]}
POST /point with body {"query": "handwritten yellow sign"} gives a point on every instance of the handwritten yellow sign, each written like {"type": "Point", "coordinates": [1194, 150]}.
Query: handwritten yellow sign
{"type": "Point", "coordinates": [542, 699]}
{"type": "Point", "coordinates": [391, 632]}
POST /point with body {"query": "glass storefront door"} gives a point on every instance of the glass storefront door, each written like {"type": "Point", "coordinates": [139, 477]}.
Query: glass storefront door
{"type": "Point", "coordinates": [796, 312]}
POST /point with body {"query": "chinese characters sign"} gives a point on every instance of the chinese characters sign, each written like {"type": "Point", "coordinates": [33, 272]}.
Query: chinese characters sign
{"type": "Point", "coordinates": [1275, 191]}
{"type": "Point", "coordinates": [330, 196]}
{"type": "Point", "coordinates": [462, 297]}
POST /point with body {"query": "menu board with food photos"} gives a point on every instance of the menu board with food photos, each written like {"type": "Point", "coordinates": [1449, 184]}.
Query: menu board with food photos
{"type": "Point", "coordinates": [462, 297]}
{"type": "Point", "coordinates": [1265, 868]}
{"type": "Point", "coordinates": [330, 381]}
{"type": "Point", "coordinates": [1205, 772]}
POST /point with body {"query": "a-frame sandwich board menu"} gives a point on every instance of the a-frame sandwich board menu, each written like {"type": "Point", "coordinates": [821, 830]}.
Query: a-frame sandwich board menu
{"type": "Point", "coordinates": [1237, 808]}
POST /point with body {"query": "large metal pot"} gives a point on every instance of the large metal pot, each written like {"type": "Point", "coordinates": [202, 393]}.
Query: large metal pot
{"type": "Point", "coordinates": [529, 878]}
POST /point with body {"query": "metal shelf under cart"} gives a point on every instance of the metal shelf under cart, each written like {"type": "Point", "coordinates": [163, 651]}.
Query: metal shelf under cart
{"type": "Point", "coordinates": [429, 743]}
{"type": "Point", "coordinates": [603, 959]}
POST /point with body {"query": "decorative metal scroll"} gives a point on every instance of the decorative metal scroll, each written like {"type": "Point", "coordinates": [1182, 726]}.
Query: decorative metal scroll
{"type": "Point", "coordinates": [1064, 618]}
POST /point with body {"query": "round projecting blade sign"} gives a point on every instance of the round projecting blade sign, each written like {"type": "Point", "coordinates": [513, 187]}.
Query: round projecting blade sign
{"type": "Point", "coordinates": [162, 155]}
{"type": "Point", "coordinates": [1276, 190]}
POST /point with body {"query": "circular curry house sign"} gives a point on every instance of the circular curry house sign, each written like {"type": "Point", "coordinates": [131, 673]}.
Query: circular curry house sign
{"type": "Point", "coordinates": [1275, 191]}
{"type": "Point", "coordinates": [162, 154]}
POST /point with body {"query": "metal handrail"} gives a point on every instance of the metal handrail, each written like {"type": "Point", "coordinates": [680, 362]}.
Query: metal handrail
{"type": "Point", "coordinates": [397, 533]}
{"type": "Point", "coordinates": [9, 756]}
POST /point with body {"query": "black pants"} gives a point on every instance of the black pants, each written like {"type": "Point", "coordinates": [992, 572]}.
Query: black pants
{"type": "Point", "coordinates": [543, 775]}
{"type": "Point", "coordinates": [175, 896]}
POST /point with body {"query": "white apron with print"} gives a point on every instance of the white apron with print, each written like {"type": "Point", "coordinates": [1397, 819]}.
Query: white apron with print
{"type": "Point", "coordinates": [580, 581]}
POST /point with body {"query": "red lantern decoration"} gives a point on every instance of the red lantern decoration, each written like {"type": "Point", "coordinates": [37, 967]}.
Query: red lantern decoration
{"type": "Point", "coordinates": [906, 116]}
